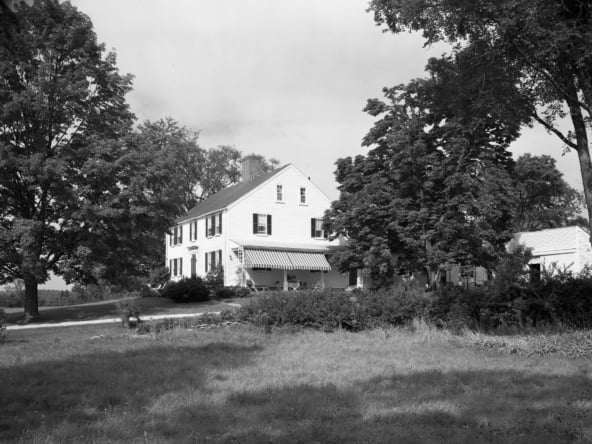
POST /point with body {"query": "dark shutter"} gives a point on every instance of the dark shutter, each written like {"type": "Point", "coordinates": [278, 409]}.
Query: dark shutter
{"type": "Point", "coordinates": [212, 225]}
{"type": "Point", "coordinates": [269, 224]}
{"type": "Point", "coordinates": [213, 260]}
{"type": "Point", "coordinates": [219, 258]}
{"type": "Point", "coordinates": [190, 230]}
{"type": "Point", "coordinates": [181, 234]}
{"type": "Point", "coordinates": [254, 223]}
{"type": "Point", "coordinates": [180, 266]}
{"type": "Point", "coordinates": [207, 226]}
{"type": "Point", "coordinates": [195, 229]}
{"type": "Point", "coordinates": [313, 227]}
{"type": "Point", "coordinates": [171, 239]}
{"type": "Point", "coordinates": [206, 263]}
{"type": "Point", "coordinates": [326, 230]}
{"type": "Point", "coordinates": [220, 220]}
{"type": "Point", "coordinates": [193, 265]}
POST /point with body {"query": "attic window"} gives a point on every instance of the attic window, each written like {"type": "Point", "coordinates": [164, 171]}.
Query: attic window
{"type": "Point", "coordinates": [302, 195]}
{"type": "Point", "coordinates": [279, 193]}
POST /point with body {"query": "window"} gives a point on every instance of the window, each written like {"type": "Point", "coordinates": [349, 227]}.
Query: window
{"type": "Point", "coordinates": [317, 228]}
{"type": "Point", "coordinates": [193, 230]}
{"type": "Point", "coordinates": [279, 193]}
{"type": "Point", "coordinates": [214, 224]}
{"type": "Point", "coordinates": [302, 195]}
{"type": "Point", "coordinates": [261, 223]}
{"type": "Point", "coordinates": [213, 260]}
{"type": "Point", "coordinates": [176, 236]}
{"type": "Point", "coordinates": [219, 223]}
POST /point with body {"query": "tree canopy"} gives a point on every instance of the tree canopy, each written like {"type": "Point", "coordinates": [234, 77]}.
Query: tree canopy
{"type": "Point", "coordinates": [543, 199]}
{"type": "Point", "coordinates": [434, 188]}
{"type": "Point", "coordinates": [546, 45]}
{"type": "Point", "coordinates": [82, 193]}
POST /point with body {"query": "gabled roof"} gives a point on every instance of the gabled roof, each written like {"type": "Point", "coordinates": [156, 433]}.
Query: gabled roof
{"type": "Point", "coordinates": [227, 196]}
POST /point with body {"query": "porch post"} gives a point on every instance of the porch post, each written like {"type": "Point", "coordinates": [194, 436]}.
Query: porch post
{"type": "Point", "coordinates": [285, 280]}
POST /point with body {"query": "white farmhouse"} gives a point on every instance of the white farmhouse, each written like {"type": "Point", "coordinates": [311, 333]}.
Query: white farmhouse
{"type": "Point", "coordinates": [265, 232]}
{"type": "Point", "coordinates": [566, 248]}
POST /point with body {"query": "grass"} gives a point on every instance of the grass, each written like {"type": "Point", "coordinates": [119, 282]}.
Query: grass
{"type": "Point", "coordinates": [108, 309]}
{"type": "Point", "coordinates": [240, 385]}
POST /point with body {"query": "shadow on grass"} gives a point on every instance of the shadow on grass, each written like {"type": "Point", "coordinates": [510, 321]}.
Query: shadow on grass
{"type": "Point", "coordinates": [79, 393]}
{"type": "Point", "coordinates": [168, 395]}
{"type": "Point", "coordinates": [425, 407]}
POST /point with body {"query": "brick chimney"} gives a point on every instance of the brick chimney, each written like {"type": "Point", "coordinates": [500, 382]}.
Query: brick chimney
{"type": "Point", "coordinates": [252, 166]}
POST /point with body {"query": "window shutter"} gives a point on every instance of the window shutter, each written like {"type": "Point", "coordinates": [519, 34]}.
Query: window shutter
{"type": "Point", "coordinates": [195, 229]}
{"type": "Point", "coordinates": [326, 230]}
{"type": "Point", "coordinates": [180, 266]}
{"type": "Point", "coordinates": [254, 223]}
{"type": "Point", "coordinates": [220, 221]}
{"type": "Point", "coordinates": [170, 266]}
{"type": "Point", "coordinates": [190, 231]}
{"type": "Point", "coordinates": [269, 224]}
{"type": "Point", "coordinates": [171, 240]}
{"type": "Point", "coordinates": [213, 224]}
{"type": "Point", "coordinates": [207, 227]}
{"type": "Point", "coordinates": [219, 258]}
{"type": "Point", "coordinates": [313, 227]}
{"type": "Point", "coordinates": [181, 234]}
{"type": "Point", "coordinates": [206, 263]}
{"type": "Point", "coordinates": [213, 260]}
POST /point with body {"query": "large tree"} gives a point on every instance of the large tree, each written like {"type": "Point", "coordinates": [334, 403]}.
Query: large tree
{"type": "Point", "coordinates": [62, 119]}
{"type": "Point", "coordinates": [434, 188]}
{"type": "Point", "coordinates": [543, 199]}
{"type": "Point", "coordinates": [546, 43]}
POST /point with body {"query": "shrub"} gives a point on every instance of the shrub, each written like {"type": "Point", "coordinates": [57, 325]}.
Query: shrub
{"type": "Point", "coordinates": [186, 290]}
{"type": "Point", "coordinates": [127, 310]}
{"type": "Point", "coordinates": [328, 310]}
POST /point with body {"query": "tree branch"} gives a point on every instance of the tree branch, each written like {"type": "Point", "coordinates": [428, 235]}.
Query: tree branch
{"type": "Point", "coordinates": [555, 131]}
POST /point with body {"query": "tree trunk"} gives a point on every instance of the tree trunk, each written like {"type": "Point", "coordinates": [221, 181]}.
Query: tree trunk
{"type": "Point", "coordinates": [31, 296]}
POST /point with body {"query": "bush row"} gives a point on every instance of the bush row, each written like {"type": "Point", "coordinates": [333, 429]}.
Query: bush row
{"type": "Point", "coordinates": [196, 289]}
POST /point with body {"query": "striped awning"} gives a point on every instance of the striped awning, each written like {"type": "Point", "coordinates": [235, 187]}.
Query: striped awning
{"type": "Point", "coordinates": [285, 260]}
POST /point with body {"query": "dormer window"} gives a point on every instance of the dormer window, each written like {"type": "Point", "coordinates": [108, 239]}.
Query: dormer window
{"type": "Point", "coordinates": [279, 193]}
{"type": "Point", "coordinates": [302, 195]}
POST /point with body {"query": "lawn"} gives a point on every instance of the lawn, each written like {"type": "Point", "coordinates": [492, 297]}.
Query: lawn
{"type": "Point", "coordinates": [108, 309]}
{"type": "Point", "coordinates": [239, 385]}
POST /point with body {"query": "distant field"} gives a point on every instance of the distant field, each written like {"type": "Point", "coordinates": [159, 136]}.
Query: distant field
{"type": "Point", "coordinates": [240, 385]}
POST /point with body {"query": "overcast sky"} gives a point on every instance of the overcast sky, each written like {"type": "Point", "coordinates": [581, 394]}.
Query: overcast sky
{"type": "Point", "coordinates": [283, 78]}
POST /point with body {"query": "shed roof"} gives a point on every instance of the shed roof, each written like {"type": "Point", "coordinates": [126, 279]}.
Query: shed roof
{"type": "Point", "coordinates": [553, 240]}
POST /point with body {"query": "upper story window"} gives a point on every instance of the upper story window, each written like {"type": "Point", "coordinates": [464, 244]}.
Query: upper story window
{"type": "Point", "coordinates": [261, 223]}
{"type": "Point", "coordinates": [176, 236]}
{"type": "Point", "coordinates": [302, 195]}
{"type": "Point", "coordinates": [214, 224]}
{"type": "Point", "coordinates": [279, 196]}
{"type": "Point", "coordinates": [318, 229]}
{"type": "Point", "coordinates": [193, 230]}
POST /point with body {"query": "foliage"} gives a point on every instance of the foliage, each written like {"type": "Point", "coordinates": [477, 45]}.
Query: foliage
{"type": "Point", "coordinates": [434, 189]}
{"type": "Point", "coordinates": [546, 45]}
{"type": "Point", "coordinates": [159, 276]}
{"type": "Point", "coordinates": [331, 310]}
{"type": "Point", "coordinates": [127, 310]}
{"type": "Point", "coordinates": [215, 280]}
{"type": "Point", "coordinates": [543, 198]}
{"type": "Point", "coordinates": [63, 117]}
{"type": "Point", "coordinates": [192, 289]}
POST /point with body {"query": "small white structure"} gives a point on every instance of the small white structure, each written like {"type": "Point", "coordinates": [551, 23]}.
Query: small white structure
{"type": "Point", "coordinates": [265, 232]}
{"type": "Point", "coordinates": [567, 248]}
